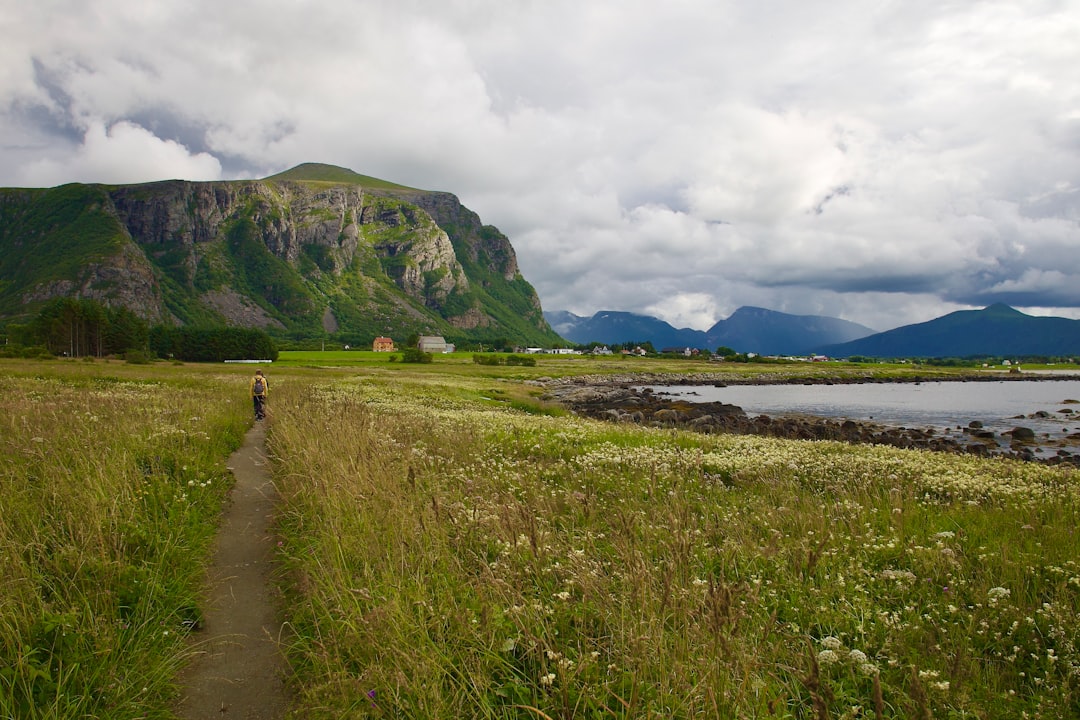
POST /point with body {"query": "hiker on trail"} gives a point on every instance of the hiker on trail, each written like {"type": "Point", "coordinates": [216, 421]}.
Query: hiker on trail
{"type": "Point", "coordinates": [259, 390]}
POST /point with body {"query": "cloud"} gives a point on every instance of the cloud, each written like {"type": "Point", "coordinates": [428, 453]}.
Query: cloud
{"type": "Point", "coordinates": [695, 310]}
{"type": "Point", "coordinates": [884, 163]}
{"type": "Point", "coordinates": [122, 153]}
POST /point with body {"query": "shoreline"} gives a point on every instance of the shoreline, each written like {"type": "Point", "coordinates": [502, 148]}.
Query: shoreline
{"type": "Point", "coordinates": [719, 379]}
{"type": "Point", "coordinates": [627, 399]}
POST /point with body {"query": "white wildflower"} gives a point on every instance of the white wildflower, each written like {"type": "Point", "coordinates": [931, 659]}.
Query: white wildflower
{"type": "Point", "coordinates": [831, 643]}
{"type": "Point", "coordinates": [828, 657]}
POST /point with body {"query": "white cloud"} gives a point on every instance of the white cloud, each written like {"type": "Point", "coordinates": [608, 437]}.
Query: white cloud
{"type": "Point", "coordinates": [693, 310]}
{"type": "Point", "coordinates": [885, 163]}
{"type": "Point", "coordinates": [123, 153]}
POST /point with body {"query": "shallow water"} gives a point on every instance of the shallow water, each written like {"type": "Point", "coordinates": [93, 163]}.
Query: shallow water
{"type": "Point", "coordinates": [1000, 406]}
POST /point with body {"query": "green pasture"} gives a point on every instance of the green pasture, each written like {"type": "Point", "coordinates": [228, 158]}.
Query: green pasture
{"type": "Point", "coordinates": [451, 545]}
{"type": "Point", "coordinates": [555, 366]}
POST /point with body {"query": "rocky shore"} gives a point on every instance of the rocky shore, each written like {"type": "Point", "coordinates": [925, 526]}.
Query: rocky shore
{"type": "Point", "coordinates": [623, 399]}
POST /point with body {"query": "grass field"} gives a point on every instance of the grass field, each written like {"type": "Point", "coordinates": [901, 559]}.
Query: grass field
{"type": "Point", "coordinates": [111, 481]}
{"type": "Point", "coordinates": [453, 547]}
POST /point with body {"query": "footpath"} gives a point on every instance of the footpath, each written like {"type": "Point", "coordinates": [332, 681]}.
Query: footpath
{"type": "Point", "coordinates": [239, 670]}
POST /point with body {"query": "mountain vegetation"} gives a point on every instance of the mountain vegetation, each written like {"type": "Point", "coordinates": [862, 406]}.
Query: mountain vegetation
{"type": "Point", "coordinates": [317, 252]}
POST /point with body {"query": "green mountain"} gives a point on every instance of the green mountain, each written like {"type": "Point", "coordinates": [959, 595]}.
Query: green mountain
{"type": "Point", "coordinates": [995, 331]}
{"type": "Point", "coordinates": [317, 250]}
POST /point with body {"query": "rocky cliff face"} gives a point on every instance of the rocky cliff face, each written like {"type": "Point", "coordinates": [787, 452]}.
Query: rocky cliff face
{"type": "Point", "coordinates": [287, 254]}
{"type": "Point", "coordinates": [481, 243]}
{"type": "Point", "coordinates": [182, 217]}
{"type": "Point", "coordinates": [429, 269]}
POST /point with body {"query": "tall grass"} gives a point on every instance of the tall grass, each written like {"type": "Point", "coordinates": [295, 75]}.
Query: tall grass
{"type": "Point", "coordinates": [111, 481]}
{"type": "Point", "coordinates": [446, 556]}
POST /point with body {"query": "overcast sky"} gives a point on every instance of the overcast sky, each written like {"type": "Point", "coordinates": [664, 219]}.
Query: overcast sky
{"type": "Point", "coordinates": [883, 162]}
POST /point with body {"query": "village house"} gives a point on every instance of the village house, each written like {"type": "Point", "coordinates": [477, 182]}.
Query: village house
{"type": "Point", "coordinates": [383, 344]}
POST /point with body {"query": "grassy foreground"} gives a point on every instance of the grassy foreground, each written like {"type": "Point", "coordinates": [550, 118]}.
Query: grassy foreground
{"type": "Point", "coordinates": [111, 483]}
{"type": "Point", "coordinates": [449, 550]}
{"type": "Point", "coordinates": [449, 556]}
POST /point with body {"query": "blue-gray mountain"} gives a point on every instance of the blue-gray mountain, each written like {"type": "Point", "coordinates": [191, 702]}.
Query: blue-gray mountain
{"type": "Point", "coordinates": [749, 329]}
{"type": "Point", "coordinates": [995, 331]}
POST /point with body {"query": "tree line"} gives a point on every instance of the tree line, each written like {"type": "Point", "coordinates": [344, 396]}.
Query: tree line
{"type": "Point", "coordinates": [79, 327]}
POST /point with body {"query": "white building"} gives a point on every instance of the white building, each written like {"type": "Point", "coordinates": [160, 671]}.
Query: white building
{"type": "Point", "coordinates": [431, 344]}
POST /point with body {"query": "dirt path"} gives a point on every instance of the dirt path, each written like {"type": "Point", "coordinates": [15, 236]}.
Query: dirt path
{"type": "Point", "coordinates": [239, 670]}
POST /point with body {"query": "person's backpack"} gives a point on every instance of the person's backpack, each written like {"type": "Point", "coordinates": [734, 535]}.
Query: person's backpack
{"type": "Point", "coordinates": [260, 385]}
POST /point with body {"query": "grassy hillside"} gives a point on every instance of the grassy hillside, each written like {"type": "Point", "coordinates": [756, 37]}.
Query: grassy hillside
{"type": "Point", "coordinates": [334, 175]}
{"type": "Point", "coordinates": [47, 236]}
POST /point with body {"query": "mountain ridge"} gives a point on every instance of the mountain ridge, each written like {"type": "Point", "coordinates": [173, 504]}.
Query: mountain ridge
{"type": "Point", "coordinates": [748, 329]}
{"type": "Point", "coordinates": [996, 330]}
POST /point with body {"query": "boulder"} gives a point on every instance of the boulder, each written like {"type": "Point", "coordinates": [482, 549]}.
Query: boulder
{"type": "Point", "coordinates": [667, 415]}
{"type": "Point", "coordinates": [1022, 434]}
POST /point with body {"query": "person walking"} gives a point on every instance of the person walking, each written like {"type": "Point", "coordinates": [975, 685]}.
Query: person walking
{"type": "Point", "coordinates": [259, 390]}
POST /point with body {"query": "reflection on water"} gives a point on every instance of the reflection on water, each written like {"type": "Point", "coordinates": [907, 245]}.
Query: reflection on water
{"type": "Point", "coordinates": [1000, 406]}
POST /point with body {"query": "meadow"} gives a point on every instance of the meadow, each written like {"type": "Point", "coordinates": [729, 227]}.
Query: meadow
{"type": "Point", "coordinates": [112, 478]}
{"type": "Point", "coordinates": [453, 546]}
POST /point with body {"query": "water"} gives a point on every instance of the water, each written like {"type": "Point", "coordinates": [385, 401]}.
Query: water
{"type": "Point", "coordinates": [1000, 406]}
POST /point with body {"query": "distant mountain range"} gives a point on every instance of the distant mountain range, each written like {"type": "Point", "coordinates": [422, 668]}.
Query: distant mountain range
{"type": "Point", "coordinates": [997, 331]}
{"type": "Point", "coordinates": [749, 329]}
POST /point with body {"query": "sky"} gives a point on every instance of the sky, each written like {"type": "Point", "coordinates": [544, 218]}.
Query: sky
{"type": "Point", "coordinates": [885, 162]}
